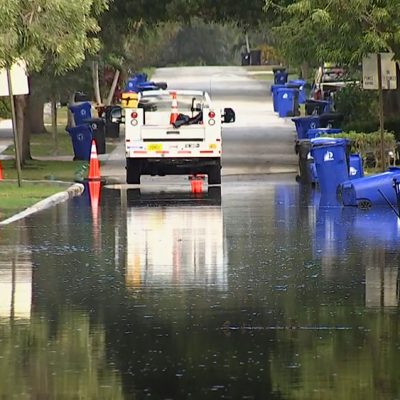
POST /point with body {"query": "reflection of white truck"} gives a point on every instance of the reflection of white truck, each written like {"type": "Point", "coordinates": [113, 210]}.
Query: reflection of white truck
{"type": "Point", "coordinates": [174, 246]}
{"type": "Point", "coordinates": [192, 144]}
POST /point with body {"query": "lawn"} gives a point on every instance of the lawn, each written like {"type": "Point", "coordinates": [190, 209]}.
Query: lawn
{"type": "Point", "coordinates": [14, 199]}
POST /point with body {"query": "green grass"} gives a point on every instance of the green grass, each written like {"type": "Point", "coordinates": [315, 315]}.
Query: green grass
{"type": "Point", "coordinates": [14, 199]}
{"type": "Point", "coordinates": [47, 170]}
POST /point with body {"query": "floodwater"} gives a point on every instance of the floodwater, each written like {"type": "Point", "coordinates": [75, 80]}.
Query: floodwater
{"type": "Point", "coordinates": [252, 293]}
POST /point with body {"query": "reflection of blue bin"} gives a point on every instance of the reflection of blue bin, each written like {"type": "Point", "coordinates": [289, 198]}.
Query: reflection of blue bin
{"type": "Point", "coordinates": [81, 137]}
{"type": "Point", "coordinates": [364, 192]}
{"type": "Point", "coordinates": [274, 89]}
{"type": "Point", "coordinates": [331, 165]}
{"type": "Point", "coordinates": [356, 169]}
{"type": "Point", "coordinates": [287, 102]}
{"type": "Point", "coordinates": [304, 124]}
{"type": "Point", "coordinates": [299, 84]}
{"type": "Point", "coordinates": [385, 232]}
{"type": "Point", "coordinates": [81, 112]}
{"type": "Point", "coordinates": [280, 77]}
{"type": "Point", "coordinates": [315, 133]}
{"type": "Point", "coordinates": [332, 229]}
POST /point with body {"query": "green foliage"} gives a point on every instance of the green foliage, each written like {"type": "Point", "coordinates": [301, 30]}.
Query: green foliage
{"type": "Point", "coordinates": [5, 108]}
{"type": "Point", "coordinates": [364, 143]}
{"type": "Point", "coordinates": [57, 32]}
{"type": "Point", "coordinates": [316, 31]}
{"type": "Point", "coordinates": [359, 108]}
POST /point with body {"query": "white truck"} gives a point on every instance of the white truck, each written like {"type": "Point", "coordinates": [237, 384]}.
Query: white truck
{"type": "Point", "coordinates": [156, 144]}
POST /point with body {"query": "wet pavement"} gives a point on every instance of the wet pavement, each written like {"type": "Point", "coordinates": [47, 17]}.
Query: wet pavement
{"type": "Point", "coordinates": [247, 292]}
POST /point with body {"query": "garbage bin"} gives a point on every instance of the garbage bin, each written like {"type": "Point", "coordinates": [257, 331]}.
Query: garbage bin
{"type": "Point", "coordinates": [307, 173]}
{"type": "Point", "coordinates": [111, 128]}
{"type": "Point", "coordinates": [330, 157]}
{"type": "Point", "coordinates": [356, 169]}
{"type": "Point", "coordinates": [299, 84]}
{"type": "Point", "coordinates": [255, 57]}
{"type": "Point", "coordinates": [371, 190]}
{"type": "Point", "coordinates": [331, 120]}
{"type": "Point", "coordinates": [280, 77]}
{"type": "Point", "coordinates": [245, 58]}
{"type": "Point", "coordinates": [304, 124]}
{"type": "Point", "coordinates": [274, 89]}
{"type": "Point", "coordinates": [81, 137]}
{"type": "Point", "coordinates": [81, 97]}
{"type": "Point", "coordinates": [288, 105]}
{"type": "Point", "coordinates": [317, 107]}
{"type": "Point", "coordinates": [81, 111]}
{"type": "Point", "coordinates": [97, 126]}
{"type": "Point", "coordinates": [315, 133]}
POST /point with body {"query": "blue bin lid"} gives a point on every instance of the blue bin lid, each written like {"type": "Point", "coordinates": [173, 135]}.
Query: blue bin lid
{"type": "Point", "coordinates": [300, 82]}
{"type": "Point", "coordinates": [285, 89]}
{"type": "Point", "coordinates": [326, 141]}
{"type": "Point", "coordinates": [330, 131]}
{"type": "Point", "coordinates": [306, 118]}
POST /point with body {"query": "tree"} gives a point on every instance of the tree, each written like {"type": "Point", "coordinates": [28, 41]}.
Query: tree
{"type": "Point", "coordinates": [47, 33]}
{"type": "Point", "coordinates": [337, 31]}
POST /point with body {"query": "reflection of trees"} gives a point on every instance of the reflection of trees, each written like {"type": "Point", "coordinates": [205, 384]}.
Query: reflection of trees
{"type": "Point", "coordinates": [357, 364]}
{"type": "Point", "coordinates": [70, 363]}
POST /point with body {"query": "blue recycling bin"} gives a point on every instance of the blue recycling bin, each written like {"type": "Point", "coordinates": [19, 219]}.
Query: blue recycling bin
{"type": "Point", "coordinates": [81, 137]}
{"type": "Point", "coordinates": [280, 77]}
{"type": "Point", "coordinates": [330, 160]}
{"type": "Point", "coordinates": [299, 84]}
{"type": "Point", "coordinates": [81, 112]}
{"type": "Point", "coordinates": [287, 102]}
{"type": "Point", "coordinates": [371, 191]}
{"type": "Point", "coordinates": [304, 124]}
{"type": "Point", "coordinates": [356, 169]}
{"type": "Point", "coordinates": [274, 89]}
{"type": "Point", "coordinates": [315, 133]}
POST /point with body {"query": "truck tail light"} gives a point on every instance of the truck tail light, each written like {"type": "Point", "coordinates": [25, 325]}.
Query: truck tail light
{"type": "Point", "coordinates": [211, 116]}
{"type": "Point", "coordinates": [134, 116]}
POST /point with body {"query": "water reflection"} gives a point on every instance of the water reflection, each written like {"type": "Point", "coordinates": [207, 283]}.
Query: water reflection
{"type": "Point", "coordinates": [15, 283]}
{"type": "Point", "coordinates": [253, 294]}
{"type": "Point", "coordinates": [175, 238]}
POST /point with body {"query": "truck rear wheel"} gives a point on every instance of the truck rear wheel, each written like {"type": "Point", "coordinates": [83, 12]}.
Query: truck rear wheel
{"type": "Point", "coordinates": [214, 174]}
{"type": "Point", "coordinates": [132, 172]}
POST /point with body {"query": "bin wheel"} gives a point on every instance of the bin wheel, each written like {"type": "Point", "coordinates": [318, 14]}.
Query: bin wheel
{"type": "Point", "coordinates": [132, 172]}
{"type": "Point", "coordinates": [364, 204]}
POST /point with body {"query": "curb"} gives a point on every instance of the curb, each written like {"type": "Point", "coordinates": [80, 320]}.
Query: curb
{"type": "Point", "coordinates": [75, 190]}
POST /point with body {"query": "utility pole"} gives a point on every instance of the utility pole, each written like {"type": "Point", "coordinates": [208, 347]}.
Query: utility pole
{"type": "Point", "coordinates": [14, 125]}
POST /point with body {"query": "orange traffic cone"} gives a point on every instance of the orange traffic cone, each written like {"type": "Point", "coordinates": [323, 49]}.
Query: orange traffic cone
{"type": "Point", "coordinates": [1, 171]}
{"type": "Point", "coordinates": [174, 109]}
{"type": "Point", "coordinates": [196, 183]}
{"type": "Point", "coordinates": [94, 165]}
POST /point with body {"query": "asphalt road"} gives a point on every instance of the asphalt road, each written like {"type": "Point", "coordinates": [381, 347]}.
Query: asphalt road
{"type": "Point", "coordinates": [257, 143]}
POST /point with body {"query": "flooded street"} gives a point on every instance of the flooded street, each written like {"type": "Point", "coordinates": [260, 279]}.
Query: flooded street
{"type": "Point", "coordinates": [245, 293]}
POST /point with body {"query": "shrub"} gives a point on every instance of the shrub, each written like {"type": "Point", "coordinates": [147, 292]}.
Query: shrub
{"type": "Point", "coordinates": [359, 108]}
{"type": "Point", "coordinates": [369, 143]}
{"type": "Point", "coordinates": [5, 108]}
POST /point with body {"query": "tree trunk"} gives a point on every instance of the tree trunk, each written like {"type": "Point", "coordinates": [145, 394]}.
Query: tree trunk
{"type": "Point", "coordinates": [36, 116]}
{"type": "Point", "coordinates": [305, 70]}
{"type": "Point", "coordinates": [96, 82]}
{"type": "Point", "coordinates": [247, 42]}
{"type": "Point", "coordinates": [54, 124]}
{"type": "Point", "coordinates": [113, 87]}
{"type": "Point", "coordinates": [23, 127]}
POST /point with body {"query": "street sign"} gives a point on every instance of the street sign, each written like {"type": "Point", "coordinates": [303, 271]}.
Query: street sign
{"type": "Point", "coordinates": [19, 80]}
{"type": "Point", "coordinates": [370, 72]}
